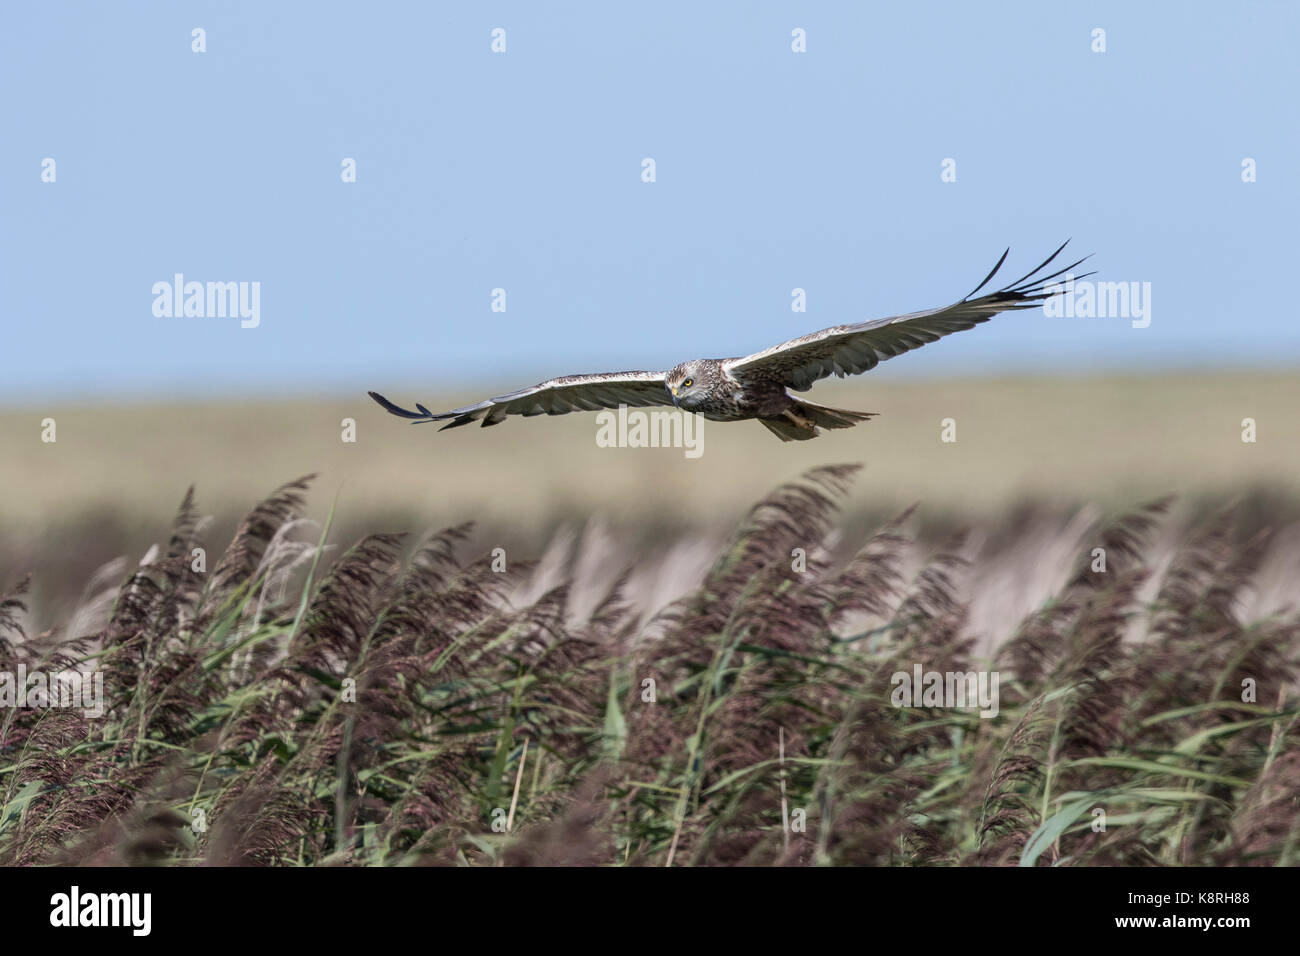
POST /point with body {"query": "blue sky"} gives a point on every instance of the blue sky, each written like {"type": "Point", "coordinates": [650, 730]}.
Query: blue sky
{"type": "Point", "coordinates": [522, 170]}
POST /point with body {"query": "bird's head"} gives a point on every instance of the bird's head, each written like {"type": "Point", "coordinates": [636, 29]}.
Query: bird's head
{"type": "Point", "coordinates": [689, 383]}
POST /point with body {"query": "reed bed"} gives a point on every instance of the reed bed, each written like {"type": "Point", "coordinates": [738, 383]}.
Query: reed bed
{"type": "Point", "coordinates": [401, 702]}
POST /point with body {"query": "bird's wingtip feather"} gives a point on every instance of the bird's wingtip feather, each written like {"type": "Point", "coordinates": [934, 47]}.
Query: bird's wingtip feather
{"type": "Point", "coordinates": [398, 410]}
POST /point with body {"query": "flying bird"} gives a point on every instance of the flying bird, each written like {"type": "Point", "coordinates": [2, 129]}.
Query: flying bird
{"type": "Point", "coordinates": [755, 386]}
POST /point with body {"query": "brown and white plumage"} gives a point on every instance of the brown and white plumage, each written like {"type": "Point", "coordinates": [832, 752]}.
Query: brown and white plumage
{"type": "Point", "coordinates": [556, 396]}
{"type": "Point", "coordinates": [754, 386]}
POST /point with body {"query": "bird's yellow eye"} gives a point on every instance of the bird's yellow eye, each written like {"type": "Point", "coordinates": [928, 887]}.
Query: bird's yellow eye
{"type": "Point", "coordinates": [688, 383]}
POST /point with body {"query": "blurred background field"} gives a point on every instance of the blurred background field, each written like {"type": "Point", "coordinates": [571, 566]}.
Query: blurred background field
{"type": "Point", "coordinates": [1025, 446]}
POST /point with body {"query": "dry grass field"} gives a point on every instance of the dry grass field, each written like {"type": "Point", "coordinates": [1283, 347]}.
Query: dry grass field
{"type": "Point", "coordinates": [1107, 441]}
{"type": "Point", "coordinates": [499, 711]}
{"type": "Point", "coordinates": [107, 485]}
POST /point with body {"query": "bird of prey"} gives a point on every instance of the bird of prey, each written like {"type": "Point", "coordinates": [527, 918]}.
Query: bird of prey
{"type": "Point", "coordinates": [755, 386]}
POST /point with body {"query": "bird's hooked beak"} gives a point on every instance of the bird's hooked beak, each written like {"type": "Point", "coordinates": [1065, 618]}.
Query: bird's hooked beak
{"type": "Point", "coordinates": [673, 389]}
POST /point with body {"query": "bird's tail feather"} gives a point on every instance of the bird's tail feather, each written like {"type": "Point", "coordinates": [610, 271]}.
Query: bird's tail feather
{"type": "Point", "coordinates": [820, 415]}
{"type": "Point", "coordinates": [787, 430]}
{"type": "Point", "coordinates": [828, 417]}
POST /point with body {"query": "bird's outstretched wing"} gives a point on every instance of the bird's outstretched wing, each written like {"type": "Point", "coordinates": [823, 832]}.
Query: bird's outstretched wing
{"type": "Point", "coordinates": [851, 349]}
{"type": "Point", "coordinates": [558, 396]}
